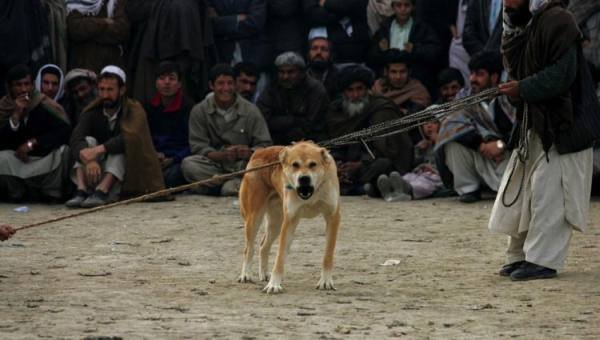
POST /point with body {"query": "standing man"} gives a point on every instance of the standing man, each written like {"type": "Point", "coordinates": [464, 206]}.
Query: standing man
{"type": "Point", "coordinates": [553, 160]}
{"type": "Point", "coordinates": [225, 129]}
{"type": "Point", "coordinates": [320, 61]}
{"type": "Point", "coordinates": [294, 105]}
{"type": "Point", "coordinates": [97, 32]}
{"type": "Point", "coordinates": [168, 117]}
{"type": "Point", "coordinates": [112, 147]}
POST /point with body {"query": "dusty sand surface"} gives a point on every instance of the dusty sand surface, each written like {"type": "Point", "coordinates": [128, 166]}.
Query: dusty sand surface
{"type": "Point", "coordinates": [169, 270]}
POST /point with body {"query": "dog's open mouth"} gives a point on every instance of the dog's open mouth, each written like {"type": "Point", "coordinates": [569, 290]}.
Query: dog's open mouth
{"type": "Point", "coordinates": [305, 191]}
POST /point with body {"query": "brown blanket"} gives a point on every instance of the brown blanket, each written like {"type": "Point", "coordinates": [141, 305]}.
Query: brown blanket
{"type": "Point", "coordinates": [413, 91]}
{"type": "Point", "coordinates": [142, 169]}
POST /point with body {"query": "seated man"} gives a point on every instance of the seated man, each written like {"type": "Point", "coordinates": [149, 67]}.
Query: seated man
{"type": "Point", "coordinates": [356, 109]}
{"type": "Point", "coordinates": [225, 129]}
{"type": "Point", "coordinates": [472, 142]}
{"type": "Point", "coordinates": [246, 80]}
{"type": "Point", "coordinates": [294, 105]}
{"type": "Point", "coordinates": [112, 147]}
{"type": "Point", "coordinates": [450, 83]}
{"type": "Point", "coordinates": [34, 131]}
{"type": "Point", "coordinates": [50, 81]}
{"type": "Point", "coordinates": [408, 93]}
{"type": "Point", "coordinates": [80, 92]}
{"type": "Point", "coordinates": [168, 117]}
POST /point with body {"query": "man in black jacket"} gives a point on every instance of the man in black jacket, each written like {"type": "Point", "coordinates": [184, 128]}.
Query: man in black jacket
{"type": "Point", "coordinates": [294, 105]}
{"type": "Point", "coordinates": [34, 131]}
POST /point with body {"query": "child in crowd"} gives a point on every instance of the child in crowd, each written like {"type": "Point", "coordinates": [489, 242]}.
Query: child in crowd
{"type": "Point", "coordinates": [424, 180]}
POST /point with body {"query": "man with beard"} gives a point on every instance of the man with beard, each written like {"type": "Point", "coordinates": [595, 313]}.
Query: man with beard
{"type": "Point", "coordinates": [472, 142]}
{"type": "Point", "coordinates": [34, 131]}
{"type": "Point", "coordinates": [112, 147]}
{"type": "Point", "coordinates": [320, 61]}
{"type": "Point", "coordinates": [81, 91]}
{"type": "Point", "coordinates": [450, 83]}
{"type": "Point", "coordinates": [246, 80]}
{"type": "Point", "coordinates": [294, 105]}
{"type": "Point", "coordinates": [356, 109]}
{"type": "Point", "coordinates": [546, 191]}
{"type": "Point", "coordinates": [225, 129]}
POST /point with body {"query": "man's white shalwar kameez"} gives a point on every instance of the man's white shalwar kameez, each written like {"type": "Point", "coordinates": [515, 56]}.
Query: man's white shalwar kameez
{"type": "Point", "coordinates": [555, 198]}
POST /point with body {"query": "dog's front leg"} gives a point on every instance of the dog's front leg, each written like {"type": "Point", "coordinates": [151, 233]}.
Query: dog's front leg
{"type": "Point", "coordinates": [287, 233]}
{"type": "Point", "coordinates": [333, 224]}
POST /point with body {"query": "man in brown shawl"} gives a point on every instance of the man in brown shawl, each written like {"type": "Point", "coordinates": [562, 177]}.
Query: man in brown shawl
{"type": "Point", "coordinates": [545, 191]}
{"type": "Point", "coordinates": [356, 109]}
{"type": "Point", "coordinates": [113, 147]}
{"type": "Point", "coordinates": [34, 131]}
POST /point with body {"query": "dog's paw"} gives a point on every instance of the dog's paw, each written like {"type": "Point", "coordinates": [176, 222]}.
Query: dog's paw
{"type": "Point", "coordinates": [245, 278]}
{"type": "Point", "coordinates": [263, 277]}
{"type": "Point", "coordinates": [273, 288]}
{"type": "Point", "coordinates": [325, 284]}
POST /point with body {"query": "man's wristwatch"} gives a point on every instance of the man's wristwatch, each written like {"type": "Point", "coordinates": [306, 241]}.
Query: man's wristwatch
{"type": "Point", "coordinates": [500, 144]}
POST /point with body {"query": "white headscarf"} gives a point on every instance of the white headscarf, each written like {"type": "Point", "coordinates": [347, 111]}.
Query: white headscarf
{"type": "Point", "coordinates": [61, 81]}
{"type": "Point", "coordinates": [91, 7]}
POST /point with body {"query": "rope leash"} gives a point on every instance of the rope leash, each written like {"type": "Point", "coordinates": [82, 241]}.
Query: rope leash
{"type": "Point", "coordinates": [377, 131]}
{"type": "Point", "coordinates": [150, 196]}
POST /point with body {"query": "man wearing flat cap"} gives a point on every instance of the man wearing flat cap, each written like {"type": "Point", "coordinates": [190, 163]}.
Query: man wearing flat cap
{"type": "Point", "coordinates": [356, 109]}
{"type": "Point", "coordinates": [112, 147]}
{"type": "Point", "coordinates": [294, 105]}
{"type": "Point", "coordinates": [80, 88]}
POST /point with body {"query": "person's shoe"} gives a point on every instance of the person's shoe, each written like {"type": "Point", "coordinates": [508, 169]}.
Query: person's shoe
{"type": "Point", "coordinates": [76, 201]}
{"type": "Point", "coordinates": [401, 187]}
{"type": "Point", "coordinates": [96, 199]}
{"type": "Point", "coordinates": [531, 271]}
{"type": "Point", "coordinates": [370, 190]}
{"type": "Point", "coordinates": [470, 197]}
{"type": "Point", "coordinates": [507, 269]}
{"type": "Point", "coordinates": [389, 194]}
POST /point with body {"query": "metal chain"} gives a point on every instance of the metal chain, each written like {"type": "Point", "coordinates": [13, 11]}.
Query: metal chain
{"type": "Point", "coordinates": [402, 124]}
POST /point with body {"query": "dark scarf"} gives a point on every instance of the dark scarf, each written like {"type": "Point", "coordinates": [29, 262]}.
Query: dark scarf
{"type": "Point", "coordinates": [541, 43]}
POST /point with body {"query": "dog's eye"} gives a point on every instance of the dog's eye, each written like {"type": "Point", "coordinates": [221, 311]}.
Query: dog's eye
{"type": "Point", "coordinates": [296, 165]}
{"type": "Point", "coordinates": [312, 165]}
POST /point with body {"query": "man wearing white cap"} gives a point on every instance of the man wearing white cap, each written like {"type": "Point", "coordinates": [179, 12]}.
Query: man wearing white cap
{"type": "Point", "coordinates": [320, 61]}
{"type": "Point", "coordinates": [112, 147]}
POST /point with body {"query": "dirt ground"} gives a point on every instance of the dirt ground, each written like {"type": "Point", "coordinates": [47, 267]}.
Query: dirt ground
{"type": "Point", "coordinates": [169, 270]}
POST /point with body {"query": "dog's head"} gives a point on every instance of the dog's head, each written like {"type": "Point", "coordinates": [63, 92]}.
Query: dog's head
{"type": "Point", "coordinates": [304, 166]}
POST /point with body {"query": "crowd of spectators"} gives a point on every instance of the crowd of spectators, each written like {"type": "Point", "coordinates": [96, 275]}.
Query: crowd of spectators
{"type": "Point", "coordinates": [111, 98]}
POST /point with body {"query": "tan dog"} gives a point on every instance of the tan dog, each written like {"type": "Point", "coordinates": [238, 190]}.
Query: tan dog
{"type": "Point", "coordinates": [303, 185]}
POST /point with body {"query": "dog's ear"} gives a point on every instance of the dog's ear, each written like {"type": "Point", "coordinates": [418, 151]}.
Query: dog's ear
{"type": "Point", "coordinates": [327, 159]}
{"type": "Point", "coordinates": [283, 155]}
